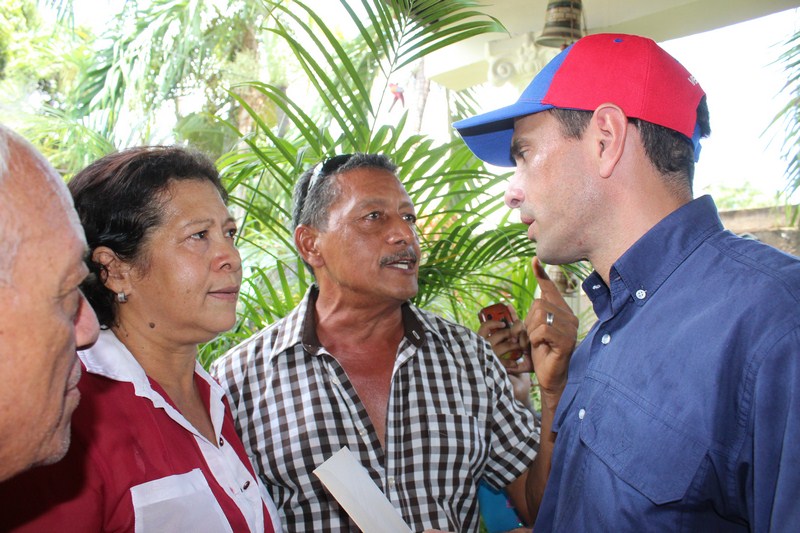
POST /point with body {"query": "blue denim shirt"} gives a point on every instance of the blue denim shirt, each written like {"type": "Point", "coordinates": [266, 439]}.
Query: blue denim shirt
{"type": "Point", "coordinates": [682, 410]}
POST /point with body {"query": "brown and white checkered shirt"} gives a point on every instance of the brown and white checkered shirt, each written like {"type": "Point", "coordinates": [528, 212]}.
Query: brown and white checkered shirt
{"type": "Point", "coordinates": [451, 421]}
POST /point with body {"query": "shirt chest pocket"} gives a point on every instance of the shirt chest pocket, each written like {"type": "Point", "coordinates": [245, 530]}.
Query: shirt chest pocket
{"type": "Point", "coordinates": [183, 502]}
{"type": "Point", "coordinates": [452, 437]}
{"type": "Point", "coordinates": [656, 459]}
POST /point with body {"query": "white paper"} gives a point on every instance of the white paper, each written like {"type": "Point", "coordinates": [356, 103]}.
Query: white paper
{"type": "Point", "coordinates": [367, 505]}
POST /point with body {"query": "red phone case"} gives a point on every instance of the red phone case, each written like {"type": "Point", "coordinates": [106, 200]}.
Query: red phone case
{"type": "Point", "coordinates": [496, 312]}
{"type": "Point", "coordinates": [499, 312]}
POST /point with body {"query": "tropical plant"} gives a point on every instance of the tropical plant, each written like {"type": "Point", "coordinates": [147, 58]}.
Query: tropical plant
{"type": "Point", "coordinates": [323, 89]}
{"type": "Point", "coordinates": [472, 255]}
{"type": "Point", "coordinates": [158, 63]}
{"type": "Point", "coordinates": [42, 68]}
{"type": "Point", "coordinates": [788, 118]}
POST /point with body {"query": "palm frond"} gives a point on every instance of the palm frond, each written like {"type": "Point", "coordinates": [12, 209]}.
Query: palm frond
{"type": "Point", "coordinates": [787, 120]}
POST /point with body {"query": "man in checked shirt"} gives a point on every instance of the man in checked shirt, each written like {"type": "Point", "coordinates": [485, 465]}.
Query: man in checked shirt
{"type": "Point", "coordinates": [421, 402]}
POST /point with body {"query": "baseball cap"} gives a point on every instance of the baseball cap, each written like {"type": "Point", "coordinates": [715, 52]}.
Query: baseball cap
{"type": "Point", "coordinates": [627, 70]}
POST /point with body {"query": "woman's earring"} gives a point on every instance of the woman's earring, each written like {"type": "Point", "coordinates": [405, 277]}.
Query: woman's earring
{"type": "Point", "coordinates": [122, 297]}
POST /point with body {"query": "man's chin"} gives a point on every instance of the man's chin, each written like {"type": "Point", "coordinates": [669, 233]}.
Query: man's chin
{"type": "Point", "coordinates": [409, 294]}
{"type": "Point", "coordinates": [57, 444]}
{"type": "Point", "coordinates": [57, 448]}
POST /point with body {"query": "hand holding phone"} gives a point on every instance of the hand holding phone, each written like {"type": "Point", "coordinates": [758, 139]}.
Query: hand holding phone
{"type": "Point", "coordinates": [499, 312]}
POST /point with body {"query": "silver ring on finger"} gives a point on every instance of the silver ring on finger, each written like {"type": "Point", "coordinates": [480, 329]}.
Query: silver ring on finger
{"type": "Point", "coordinates": [549, 319]}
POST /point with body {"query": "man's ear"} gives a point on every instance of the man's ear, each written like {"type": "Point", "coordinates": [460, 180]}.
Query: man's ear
{"type": "Point", "coordinates": [115, 273]}
{"type": "Point", "coordinates": [611, 129]}
{"type": "Point", "coordinates": [306, 241]}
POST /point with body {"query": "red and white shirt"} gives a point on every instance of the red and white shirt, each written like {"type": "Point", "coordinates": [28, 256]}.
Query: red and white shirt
{"type": "Point", "coordinates": [136, 464]}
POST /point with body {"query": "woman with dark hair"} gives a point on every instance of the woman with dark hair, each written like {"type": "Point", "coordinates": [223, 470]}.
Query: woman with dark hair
{"type": "Point", "coordinates": [154, 445]}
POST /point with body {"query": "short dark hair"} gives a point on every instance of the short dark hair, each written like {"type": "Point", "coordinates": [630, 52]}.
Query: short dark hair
{"type": "Point", "coordinates": [315, 192]}
{"type": "Point", "coordinates": [670, 152]}
{"type": "Point", "coordinates": [119, 199]}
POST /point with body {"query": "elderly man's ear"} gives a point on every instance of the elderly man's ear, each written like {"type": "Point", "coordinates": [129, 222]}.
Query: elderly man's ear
{"type": "Point", "coordinates": [116, 272]}
{"type": "Point", "coordinates": [305, 239]}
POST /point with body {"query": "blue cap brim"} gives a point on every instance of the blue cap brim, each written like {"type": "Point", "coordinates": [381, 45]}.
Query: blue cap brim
{"type": "Point", "coordinates": [489, 135]}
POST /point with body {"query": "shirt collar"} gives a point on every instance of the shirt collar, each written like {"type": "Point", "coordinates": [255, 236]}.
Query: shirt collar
{"type": "Point", "coordinates": [644, 267]}
{"type": "Point", "coordinates": [300, 325]}
{"type": "Point", "coordinates": [109, 358]}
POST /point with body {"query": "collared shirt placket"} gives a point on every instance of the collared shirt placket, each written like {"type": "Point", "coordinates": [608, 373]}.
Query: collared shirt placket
{"type": "Point", "coordinates": [441, 369]}
{"type": "Point", "coordinates": [397, 404]}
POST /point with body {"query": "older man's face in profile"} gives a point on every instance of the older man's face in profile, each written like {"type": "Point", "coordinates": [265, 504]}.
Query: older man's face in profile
{"type": "Point", "coordinates": [43, 316]}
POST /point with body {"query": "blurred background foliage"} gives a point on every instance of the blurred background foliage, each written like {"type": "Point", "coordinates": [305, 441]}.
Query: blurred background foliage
{"type": "Point", "coordinates": [269, 88]}
{"type": "Point", "coordinates": [788, 119]}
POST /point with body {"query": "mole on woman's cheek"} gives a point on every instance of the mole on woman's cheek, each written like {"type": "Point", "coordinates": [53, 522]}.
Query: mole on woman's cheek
{"type": "Point", "coordinates": [152, 325]}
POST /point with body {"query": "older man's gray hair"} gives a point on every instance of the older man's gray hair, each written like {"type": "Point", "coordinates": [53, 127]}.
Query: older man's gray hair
{"type": "Point", "coordinates": [10, 223]}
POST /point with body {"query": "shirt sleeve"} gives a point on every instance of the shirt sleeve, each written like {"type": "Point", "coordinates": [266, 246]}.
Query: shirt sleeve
{"type": "Point", "coordinates": [773, 487]}
{"type": "Point", "coordinates": [514, 437]}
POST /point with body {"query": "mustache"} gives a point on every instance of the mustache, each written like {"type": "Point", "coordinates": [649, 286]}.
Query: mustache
{"type": "Point", "coordinates": [406, 255]}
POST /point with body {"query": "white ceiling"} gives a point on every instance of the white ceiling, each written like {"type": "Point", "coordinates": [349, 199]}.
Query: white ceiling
{"type": "Point", "coordinates": [465, 64]}
{"type": "Point", "coordinates": [658, 19]}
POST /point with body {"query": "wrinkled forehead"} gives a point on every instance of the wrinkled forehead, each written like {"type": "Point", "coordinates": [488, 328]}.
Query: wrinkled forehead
{"type": "Point", "coordinates": [369, 182]}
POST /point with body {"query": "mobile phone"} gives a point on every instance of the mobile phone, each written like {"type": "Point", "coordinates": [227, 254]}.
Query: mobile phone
{"type": "Point", "coordinates": [499, 312]}
{"type": "Point", "coordinates": [496, 312]}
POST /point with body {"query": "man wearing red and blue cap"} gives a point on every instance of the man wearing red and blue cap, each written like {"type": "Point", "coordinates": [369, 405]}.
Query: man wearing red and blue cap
{"type": "Point", "coordinates": [682, 408]}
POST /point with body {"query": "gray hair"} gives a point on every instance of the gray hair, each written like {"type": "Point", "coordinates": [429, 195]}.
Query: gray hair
{"type": "Point", "coordinates": [9, 237]}
{"type": "Point", "coordinates": [22, 170]}
{"type": "Point", "coordinates": [4, 153]}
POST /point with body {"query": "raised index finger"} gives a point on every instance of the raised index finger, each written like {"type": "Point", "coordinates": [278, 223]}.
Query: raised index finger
{"type": "Point", "coordinates": [549, 290]}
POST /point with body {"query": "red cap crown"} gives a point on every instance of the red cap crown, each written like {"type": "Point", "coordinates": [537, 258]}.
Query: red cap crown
{"type": "Point", "coordinates": [631, 72]}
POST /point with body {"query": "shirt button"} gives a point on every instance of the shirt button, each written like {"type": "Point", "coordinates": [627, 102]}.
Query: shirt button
{"type": "Point", "coordinates": [221, 442]}
{"type": "Point", "coordinates": [581, 413]}
{"type": "Point", "coordinates": [641, 294]}
{"type": "Point", "coordinates": [246, 484]}
{"type": "Point", "coordinates": [335, 380]}
{"type": "Point", "coordinates": [362, 432]}
{"type": "Point", "coordinates": [390, 482]}
{"type": "Point", "coordinates": [606, 339]}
